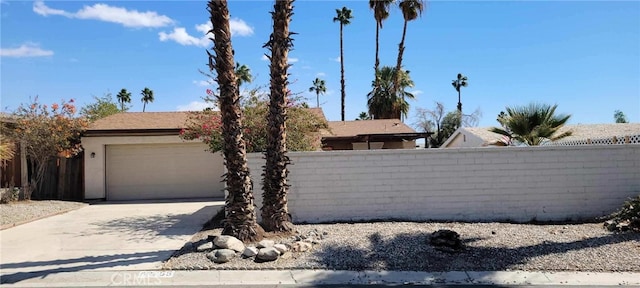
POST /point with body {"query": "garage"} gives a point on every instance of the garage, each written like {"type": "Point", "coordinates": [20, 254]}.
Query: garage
{"type": "Point", "coordinates": [162, 171]}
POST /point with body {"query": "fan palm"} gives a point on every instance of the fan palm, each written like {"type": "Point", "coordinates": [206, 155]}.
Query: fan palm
{"type": "Point", "coordinates": [411, 9]}
{"type": "Point", "coordinates": [243, 75]}
{"type": "Point", "coordinates": [275, 214]}
{"type": "Point", "coordinates": [380, 13]}
{"type": "Point", "coordinates": [147, 97]}
{"type": "Point", "coordinates": [123, 97]}
{"type": "Point", "coordinates": [533, 124]}
{"type": "Point", "coordinates": [461, 81]}
{"type": "Point", "coordinates": [386, 101]}
{"type": "Point", "coordinates": [343, 17]}
{"type": "Point", "coordinates": [319, 88]}
{"type": "Point", "coordinates": [240, 220]}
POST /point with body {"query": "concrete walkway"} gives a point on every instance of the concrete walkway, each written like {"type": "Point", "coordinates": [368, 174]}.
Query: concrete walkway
{"type": "Point", "coordinates": [310, 278]}
{"type": "Point", "coordinates": [102, 237]}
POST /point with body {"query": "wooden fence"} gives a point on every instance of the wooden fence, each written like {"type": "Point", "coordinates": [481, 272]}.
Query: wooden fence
{"type": "Point", "coordinates": [64, 180]}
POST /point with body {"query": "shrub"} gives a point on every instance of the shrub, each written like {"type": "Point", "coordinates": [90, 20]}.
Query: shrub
{"type": "Point", "coordinates": [627, 218]}
{"type": "Point", "coordinates": [9, 195]}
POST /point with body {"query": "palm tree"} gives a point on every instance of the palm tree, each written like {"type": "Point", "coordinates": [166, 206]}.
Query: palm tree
{"type": "Point", "coordinates": [387, 101]}
{"type": "Point", "coordinates": [240, 220]}
{"type": "Point", "coordinates": [380, 13]}
{"type": "Point", "coordinates": [411, 9]}
{"type": "Point", "coordinates": [363, 116]}
{"type": "Point", "coordinates": [461, 81]}
{"type": "Point", "coordinates": [533, 124]}
{"type": "Point", "coordinates": [123, 97]}
{"type": "Point", "coordinates": [343, 16]}
{"type": "Point", "coordinates": [319, 88]}
{"type": "Point", "coordinates": [147, 97]}
{"type": "Point", "coordinates": [275, 214]}
{"type": "Point", "coordinates": [619, 117]}
{"type": "Point", "coordinates": [243, 73]}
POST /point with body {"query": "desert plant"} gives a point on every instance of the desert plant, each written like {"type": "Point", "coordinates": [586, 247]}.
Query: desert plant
{"type": "Point", "coordinates": [626, 218]}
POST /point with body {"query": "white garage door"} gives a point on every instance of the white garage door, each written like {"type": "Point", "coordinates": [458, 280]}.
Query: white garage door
{"type": "Point", "coordinates": [162, 171]}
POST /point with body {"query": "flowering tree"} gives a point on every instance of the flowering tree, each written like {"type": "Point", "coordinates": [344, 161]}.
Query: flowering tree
{"type": "Point", "coordinates": [302, 133]}
{"type": "Point", "coordinates": [46, 132]}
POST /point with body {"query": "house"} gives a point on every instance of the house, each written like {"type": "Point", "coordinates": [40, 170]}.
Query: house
{"type": "Point", "coordinates": [136, 155]}
{"type": "Point", "coordinates": [370, 134]}
{"type": "Point", "coordinates": [14, 171]}
{"type": "Point", "coordinates": [581, 134]}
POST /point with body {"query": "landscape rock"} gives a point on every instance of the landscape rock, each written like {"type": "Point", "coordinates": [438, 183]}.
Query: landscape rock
{"type": "Point", "coordinates": [446, 240]}
{"type": "Point", "coordinates": [204, 246]}
{"type": "Point", "coordinates": [281, 248]}
{"type": "Point", "coordinates": [228, 242]}
{"type": "Point", "coordinates": [300, 246]}
{"type": "Point", "coordinates": [268, 254]}
{"type": "Point", "coordinates": [250, 252]}
{"type": "Point", "coordinates": [265, 243]}
{"type": "Point", "coordinates": [221, 255]}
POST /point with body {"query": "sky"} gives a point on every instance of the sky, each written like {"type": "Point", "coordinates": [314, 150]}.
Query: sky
{"type": "Point", "coordinates": [582, 56]}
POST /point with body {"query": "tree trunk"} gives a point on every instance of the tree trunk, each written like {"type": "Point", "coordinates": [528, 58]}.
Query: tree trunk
{"type": "Point", "coordinates": [377, 63]}
{"type": "Point", "coordinates": [459, 102]}
{"type": "Point", "coordinates": [275, 214]}
{"type": "Point", "coordinates": [342, 72]}
{"type": "Point", "coordinates": [317, 99]}
{"type": "Point", "coordinates": [240, 220]}
{"type": "Point", "coordinates": [396, 75]}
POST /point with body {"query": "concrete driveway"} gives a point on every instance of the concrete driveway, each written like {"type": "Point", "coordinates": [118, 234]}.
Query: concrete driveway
{"type": "Point", "coordinates": [102, 237]}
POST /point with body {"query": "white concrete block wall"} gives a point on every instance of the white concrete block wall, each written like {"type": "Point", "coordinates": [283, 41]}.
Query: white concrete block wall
{"type": "Point", "coordinates": [468, 184]}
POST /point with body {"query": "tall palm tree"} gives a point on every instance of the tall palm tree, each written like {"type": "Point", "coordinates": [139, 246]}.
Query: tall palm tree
{"type": "Point", "coordinates": [461, 81]}
{"type": "Point", "coordinates": [147, 97]}
{"type": "Point", "coordinates": [387, 101]}
{"type": "Point", "coordinates": [533, 124]}
{"type": "Point", "coordinates": [411, 9]}
{"type": "Point", "coordinates": [124, 96]}
{"type": "Point", "coordinates": [319, 88]}
{"type": "Point", "coordinates": [343, 16]}
{"type": "Point", "coordinates": [243, 73]}
{"type": "Point", "coordinates": [275, 214]}
{"type": "Point", "coordinates": [240, 220]}
{"type": "Point", "coordinates": [380, 13]}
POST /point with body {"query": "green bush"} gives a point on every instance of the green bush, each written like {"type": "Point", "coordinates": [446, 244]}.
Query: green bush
{"type": "Point", "coordinates": [9, 195]}
{"type": "Point", "coordinates": [627, 218]}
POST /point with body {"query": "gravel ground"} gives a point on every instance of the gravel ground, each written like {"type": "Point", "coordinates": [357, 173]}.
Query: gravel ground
{"type": "Point", "coordinates": [24, 211]}
{"type": "Point", "coordinates": [404, 246]}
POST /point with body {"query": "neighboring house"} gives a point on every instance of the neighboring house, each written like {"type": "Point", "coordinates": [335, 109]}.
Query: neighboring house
{"type": "Point", "coordinates": [370, 134]}
{"type": "Point", "coordinates": [582, 134]}
{"type": "Point", "coordinates": [131, 156]}
{"type": "Point", "coordinates": [14, 171]}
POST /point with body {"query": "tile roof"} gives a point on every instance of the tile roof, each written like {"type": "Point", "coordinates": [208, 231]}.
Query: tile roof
{"type": "Point", "coordinates": [579, 132]}
{"type": "Point", "coordinates": [380, 126]}
{"type": "Point", "coordinates": [141, 121]}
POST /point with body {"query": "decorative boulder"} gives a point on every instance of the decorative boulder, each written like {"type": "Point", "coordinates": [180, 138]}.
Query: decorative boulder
{"type": "Point", "coordinates": [446, 240]}
{"type": "Point", "coordinates": [265, 244]}
{"type": "Point", "coordinates": [228, 242]}
{"type": "Point", "coordinates": [204, 246]}
{"type": "Point", "coordinates": [268, 254]}
{"type": "Point", "coordinates": [250, 252]}
{"type": "Point", "coordinates": [281, 248]}
{"type": "Point", "coordinates": [221, 255]}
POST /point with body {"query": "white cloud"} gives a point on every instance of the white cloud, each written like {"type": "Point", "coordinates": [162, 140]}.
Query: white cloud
{"type": "Point", "coordinates": [416, 92]}
{"type": "Point", "coordinates": [106, 13]}
{"type": "Point", "coordinates": [202, 83]}
{"type": "Point", "coordinates": [320, 74]}
{"type": "Point", "coordinates": [181, 36]}
{"type": "Point", "coordinates": [293, 60]}
{"type": "Point", "coordinates": [196, 106]}
{"type": "Point", "coordinates": [25, 50]}
{"type": "Point", "coordinates": [264, 58]}
{"type": "Point", "coordinates": [337, 59]}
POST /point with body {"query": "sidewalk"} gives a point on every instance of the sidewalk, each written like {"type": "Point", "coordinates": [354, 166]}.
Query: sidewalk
{"type": "Point", "coordinates": [319, 277]}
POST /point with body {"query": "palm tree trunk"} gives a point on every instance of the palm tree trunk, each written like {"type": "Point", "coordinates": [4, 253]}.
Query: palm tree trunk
{"type": "Point", "coordinates": [144, 106]}
{"type": "Point", "coordinates": [317, 99]}
{"type": "Point", "coordinates": [396, 76]}
{"type": "Point", "coordinates": [342, 73]}
{"type": "Point", "coordinates": [240, 219]}
{"type": "Point", "coordinates": [275, 214]}
{"type": "Point", "coordinates": [377, 63]}
{"type": "Point", "coordinates": [459, 103]}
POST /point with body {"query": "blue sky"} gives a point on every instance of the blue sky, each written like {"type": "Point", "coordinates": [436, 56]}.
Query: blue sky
{"type": "Point", "coordinates": [583, 56]}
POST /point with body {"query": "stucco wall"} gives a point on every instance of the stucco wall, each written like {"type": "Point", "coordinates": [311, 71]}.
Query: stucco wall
{"type": "Point", "coordinates": [468, 184]}
{"type": "Point", "coordinates": [95, 167]}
